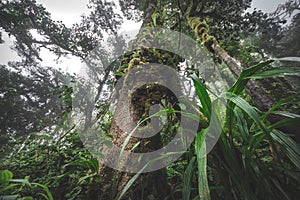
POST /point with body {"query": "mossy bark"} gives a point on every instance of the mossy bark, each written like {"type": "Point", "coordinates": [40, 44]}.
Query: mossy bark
{"type": "Point", "coordinates": [152, 185]}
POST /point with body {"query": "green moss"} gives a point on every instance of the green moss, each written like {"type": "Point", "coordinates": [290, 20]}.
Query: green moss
{"type": "Point", "coordinates": [204, 37]}
{"type": "Point", "coordinates": [133, 62]}
{"type": "Point", "coordinates": [200, 25]}
{"type": "Point", "coordinates": [201, 31]}
{"type": "Point", "coordinates": [193, 21]}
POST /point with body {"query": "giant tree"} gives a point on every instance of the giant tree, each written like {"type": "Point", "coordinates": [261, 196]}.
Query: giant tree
{"type": "Point", "coordinates": [216, 24]}
{"type": "Point", "coordinates": [210, 22]}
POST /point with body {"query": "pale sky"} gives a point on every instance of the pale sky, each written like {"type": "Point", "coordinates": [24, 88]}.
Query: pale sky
{"type": "Point", "coordinates": [266, 5]}
{"type": "Point", "coordinates": [70, 12]}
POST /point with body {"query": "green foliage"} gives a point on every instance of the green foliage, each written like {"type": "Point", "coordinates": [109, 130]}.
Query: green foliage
{"type": "Point", "coordinates": [8, 184]}
{"type": "Point", "coordinates": [154, 19]}
{"type": "Point", "coordinates": [203, 96]}
{"type": "Point", "coordinates": [200, 151]}
{"type": "Point", "coordinates": [57, 164]}
{"type": "Point", "coordinates": [187, 180]}
{"type": "Point", "coordinates": [280, 71]}
{"type": "Point", "coordinates": [240, 84]}
{"type": "Point", "coordinates": [255, 150]}
{"type": "Point", "coordinates": [252, 150]}
{"type": "Point", "coordinates": [253, 159]}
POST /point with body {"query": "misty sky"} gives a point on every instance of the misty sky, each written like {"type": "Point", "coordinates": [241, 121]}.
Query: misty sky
{"type": "Point", "coordinates": [69, 12]}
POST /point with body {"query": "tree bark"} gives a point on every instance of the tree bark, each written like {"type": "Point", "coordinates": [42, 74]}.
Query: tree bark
{"type": "Point", "coordinates": [151, 185]}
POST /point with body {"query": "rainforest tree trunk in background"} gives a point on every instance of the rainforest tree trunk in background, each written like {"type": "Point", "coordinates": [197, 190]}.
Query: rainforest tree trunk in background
{"type": "Point", "coordinates": [260, 97]}
{"type": "Point", "coordinates": [201, 29]}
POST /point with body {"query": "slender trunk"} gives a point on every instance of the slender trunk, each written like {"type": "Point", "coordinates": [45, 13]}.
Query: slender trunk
{"type": "Point", "coordinates": [262, 100]}
{"type": "Point", "coordinates": [260, 96]}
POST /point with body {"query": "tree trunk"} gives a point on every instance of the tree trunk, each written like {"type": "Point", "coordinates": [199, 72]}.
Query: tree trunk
{"type": "Point", "coordinates": [261, 98]}
{"type": "Point", "coordinates": [151, 185]}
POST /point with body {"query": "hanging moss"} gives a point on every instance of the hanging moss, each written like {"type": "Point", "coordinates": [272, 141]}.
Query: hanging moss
{"type": "Point", "coordinates": [193, 21]}
{"type": "Point", "coordinates": [201, 30]}
{"type": "Point", "coordinates": [201, 25]}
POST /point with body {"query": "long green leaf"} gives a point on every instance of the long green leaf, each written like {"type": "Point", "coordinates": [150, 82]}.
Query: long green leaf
{"type": "Point", "coordinates": [285, 122]}
{"type": "Point", "coordinates": [255, 139]}
{"type": "Point", "coordinates": [23, 181]}
{"type": "Point", "coordinates": [283, 71]}
{"type": "Point", "coordinates": [187, 180]}
{"type": "Point", "coordinates": [200, 149]}
{"type": "Point", "coordinates": [251, 112]}
{"type": "Point", "coordinates": [202, 95]}
{"type": "Point", "coordinates": [290, 99]}
{"type": "Point", "coordinates": [241, 82]}
{"type": "Point", "coordinates": [241, 124]}
{"type": "Point", "coordinates": [279, 187]}
{"type": "Point", "coordinates": [288, 146]}
{"type": "Point", "coordinates": [86, 177]}
{"type": "Point", "coordinates": [154, 18]}
{"type": "Point", "coordinates": [247, 108]}
{"type": "Point", "coordinates": [239, 86]}
{"type": "Point", "coordinates": [46, 189]}
{"type": "Point", "coordinates": [286, 114]}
